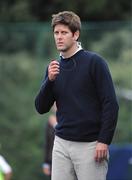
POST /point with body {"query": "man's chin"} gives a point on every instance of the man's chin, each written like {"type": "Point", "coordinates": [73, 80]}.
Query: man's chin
{"type": "Point", "coordinates": [61, 49]}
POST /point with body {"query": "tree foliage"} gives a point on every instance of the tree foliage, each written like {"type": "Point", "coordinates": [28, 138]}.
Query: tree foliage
{"type": "Point", "coordinates": [40, 10]}
{"type": "Point", "coordinates": [21, 137]}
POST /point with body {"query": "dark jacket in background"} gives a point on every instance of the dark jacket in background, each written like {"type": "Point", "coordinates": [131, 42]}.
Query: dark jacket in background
{"type": "Point", "coordinates": [49, 140]}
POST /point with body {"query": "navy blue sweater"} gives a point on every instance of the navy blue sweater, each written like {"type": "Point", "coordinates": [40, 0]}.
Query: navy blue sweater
{"type": "Point", "coordinates": [87, 108]}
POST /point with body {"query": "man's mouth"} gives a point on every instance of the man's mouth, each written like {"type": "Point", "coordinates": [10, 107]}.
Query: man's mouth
{"type": "Point", "coordinates": [60, 43]}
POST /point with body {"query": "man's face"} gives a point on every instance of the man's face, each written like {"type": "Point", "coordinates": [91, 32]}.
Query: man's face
{"type": "Point", "coordinates": [64, 38]}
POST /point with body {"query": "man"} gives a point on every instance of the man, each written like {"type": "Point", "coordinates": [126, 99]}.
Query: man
{"type": "Point", "coordinates": [5, 169]}
{"type": "Point", "coordinates": [81, 85]}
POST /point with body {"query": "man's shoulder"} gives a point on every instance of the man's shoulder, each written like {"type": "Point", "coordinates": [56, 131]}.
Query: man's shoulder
{"type": "Point", "coordinates": [88, 53]}
{"type": "Point", "coordinates": [95, 57]}
{"type": "Point", "coordinates": [91, 56]}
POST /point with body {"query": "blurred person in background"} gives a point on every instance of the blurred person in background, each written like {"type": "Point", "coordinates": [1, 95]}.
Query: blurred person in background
{"type": "Point", "coordinates": [5, 169]}
{"type": "Point", "coordinates": [81, 85]}
{"type": "Point", "coordinates": [49, 140]}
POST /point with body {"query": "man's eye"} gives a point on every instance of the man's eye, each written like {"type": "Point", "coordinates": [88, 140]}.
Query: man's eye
{"type": "Point", "coordinates": [56, 33]}
{"type": "Point", "coordinates": [64, 33]}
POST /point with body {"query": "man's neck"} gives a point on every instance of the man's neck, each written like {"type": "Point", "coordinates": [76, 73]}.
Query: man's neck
{"type": "Point", "coordinates": [72, 51]}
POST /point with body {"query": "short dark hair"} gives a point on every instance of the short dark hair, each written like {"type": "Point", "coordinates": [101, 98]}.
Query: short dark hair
{"type": "Point", "coordinates": [68, 18]}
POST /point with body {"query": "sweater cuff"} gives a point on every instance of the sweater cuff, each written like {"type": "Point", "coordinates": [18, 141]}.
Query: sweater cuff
{"type": "Point", "coordinates": [105, 138]}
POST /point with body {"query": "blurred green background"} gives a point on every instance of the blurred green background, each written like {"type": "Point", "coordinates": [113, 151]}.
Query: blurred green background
{"type": "Point", "coordinates": [27, 46]}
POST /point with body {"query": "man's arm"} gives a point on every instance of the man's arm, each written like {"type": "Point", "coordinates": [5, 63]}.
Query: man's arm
{"type": "Point", "coordinates": [109, 106]}
{"type": "Point", "coordinates": [45, 97]}
{"type": "Point", "coordinates": [107, 98]}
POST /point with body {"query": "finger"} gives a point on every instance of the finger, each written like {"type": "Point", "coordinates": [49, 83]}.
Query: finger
{"type": "Point", "coordinates": [53, 68]}
{"type": "Point", "coordinates": [54, 62]}
{"type": "Point", "coordinates": [100, 156]}
{"type": "Point", "coordinates": [97, 156]}
{"type": "Point", "coordinates": [54, 71]}
{"type": "Point", "coordinates": [105, 154]}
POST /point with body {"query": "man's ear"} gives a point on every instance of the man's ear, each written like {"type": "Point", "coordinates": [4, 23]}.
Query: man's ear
{"type": "Point", "coordinates": [76, 35]}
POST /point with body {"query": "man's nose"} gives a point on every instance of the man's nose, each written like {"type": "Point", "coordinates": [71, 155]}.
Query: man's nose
{"type": "Point", "coordinates": [59, 36]}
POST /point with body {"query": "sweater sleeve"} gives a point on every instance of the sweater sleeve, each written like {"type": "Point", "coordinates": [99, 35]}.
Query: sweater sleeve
{"type": "Point", "coordinates": [106, 94]}
{"type": "Point", "coordinates": [45, 98]}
